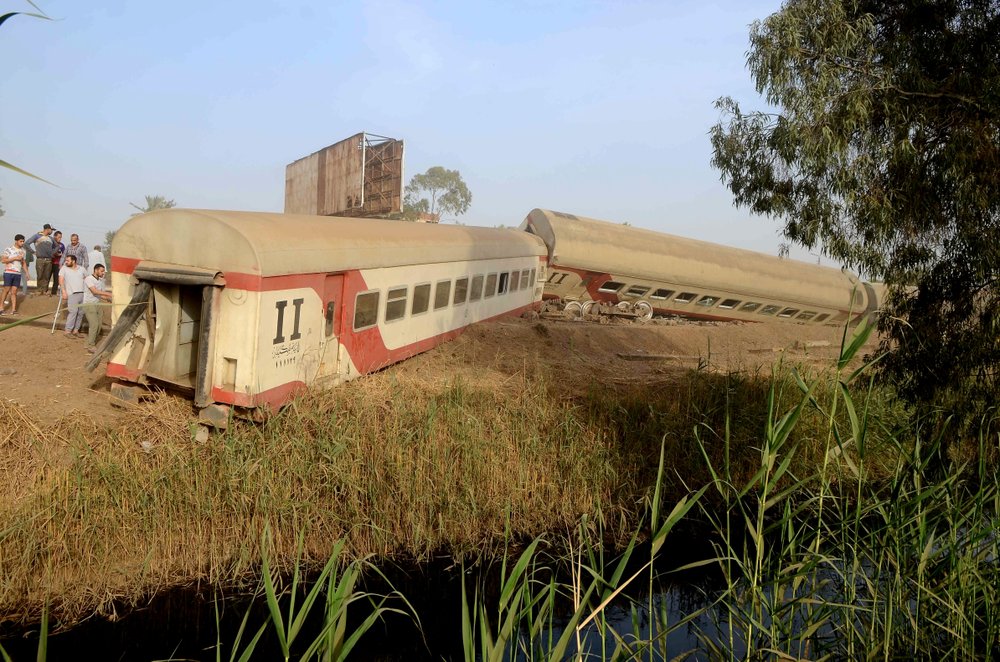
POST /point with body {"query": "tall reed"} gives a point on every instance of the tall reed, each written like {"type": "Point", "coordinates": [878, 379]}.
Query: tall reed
{"type": "Point", "coordinates": [861, 553]}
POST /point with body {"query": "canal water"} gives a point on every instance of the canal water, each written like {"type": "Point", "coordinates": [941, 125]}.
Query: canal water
{"type": "Point", "coordinates": [197, 622]}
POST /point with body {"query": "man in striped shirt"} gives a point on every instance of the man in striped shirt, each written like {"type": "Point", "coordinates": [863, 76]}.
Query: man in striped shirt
{"type": "Point", "coordinates": [79, 251]}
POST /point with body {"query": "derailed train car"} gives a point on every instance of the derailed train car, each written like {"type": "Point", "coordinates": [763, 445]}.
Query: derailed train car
{"type": "Point", "coordinates": [244, 309]}
{"type": "Point", "coordinates": [595, 262]}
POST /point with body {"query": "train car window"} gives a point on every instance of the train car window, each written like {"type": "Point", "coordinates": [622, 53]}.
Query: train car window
{"type": "Point", "coordinates": [769, 310]}
{"type": "Point", "coordinates": [366, 310]}
{"type": "Point", "coordinates": [461, 291]}
{"type": "Point", "coordinates": [331, 310]}
{"type": "Point", "coordinates": [686, 297]}
{"type": "Point", "coordinates": [442, 293]}
{"type": "Point", "coordinates": [524, 280]}
{"type": "Point", "coordinates": [503, 283]}
{"type": "Point", "coordinates": [822, 316]}
{"type": "Point", "coordinates": [515, 281]}
{"type": "Point", "coordinates": [611, 286]}
{"type": "Point", "coordinates": [557, 278]}
{"type": "Point", "coordinates": [729, 304]}
{"type": "Point", "coordinates": [636, 291]}
{"type": "Point", "coordinates": [491, 286]}
{"type": "Point", "coordinates": [421, 298]}
{"type": "Point", "coordinates": [749, 307]}
{"type": "Point", "coordinates": [708, 300]}
{"type": "Point", "coordinates": [395, 303]}
{"type": "Point", "coordinates": [807, 315]}
{"type": "Point", "coordinates": [476, 293]}
{"type": "Point", "coordinates": [789, 312]}
{"type": "Point", "coordinates": [532, 277]}
{"type": "Point", "coordinates": [661, 293]}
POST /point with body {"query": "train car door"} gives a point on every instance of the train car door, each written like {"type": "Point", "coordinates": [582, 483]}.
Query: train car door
{"type": "Point", "coordinates": [177, 342]}
{"type": "Point", "coordinates": [333, 305]}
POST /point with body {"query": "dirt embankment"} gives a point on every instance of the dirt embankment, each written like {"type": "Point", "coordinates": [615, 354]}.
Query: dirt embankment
{"type": "Point", "coordinates": [576, 355]}
{"type": "Point", "coordinates": [44, 371]}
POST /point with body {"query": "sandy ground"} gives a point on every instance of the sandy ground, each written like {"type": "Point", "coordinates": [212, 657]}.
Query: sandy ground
{"type": "Point", "coordinates": [574, 355]}
{"type": "Point", "coordinates": [45, 373]}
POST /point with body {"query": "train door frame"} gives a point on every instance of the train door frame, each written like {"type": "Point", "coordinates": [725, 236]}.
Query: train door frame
{"type": "Point", "coordinates": [149, 276]}
{"type": "Point", "coordinates": [333, 323]}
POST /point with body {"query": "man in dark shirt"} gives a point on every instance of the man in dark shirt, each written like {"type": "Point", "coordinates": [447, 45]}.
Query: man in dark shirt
{"type": "Point", "coordinates": [58, 248]}
{"type": "Point", "coordinates": [40, 244]}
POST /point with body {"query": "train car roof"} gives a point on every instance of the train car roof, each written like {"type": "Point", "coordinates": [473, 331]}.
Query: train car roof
{"type": "Point", "coordinates": [271, 244]}
{"type": "Point", "coordinates": [603, 247]}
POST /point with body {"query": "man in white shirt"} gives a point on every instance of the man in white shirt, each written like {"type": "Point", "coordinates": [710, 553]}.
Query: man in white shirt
{"type": "Point", "coordinates": [71, 281]}
{"type": "Point", "coordinates": [95, 257]}
{"type": "Point", "coordinates": [94, 297]}
{"type": "Point", "coordinates": [12, 259]}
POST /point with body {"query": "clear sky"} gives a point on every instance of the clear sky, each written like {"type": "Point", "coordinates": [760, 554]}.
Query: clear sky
{"type": "Point", "coordinates": [596, 108]}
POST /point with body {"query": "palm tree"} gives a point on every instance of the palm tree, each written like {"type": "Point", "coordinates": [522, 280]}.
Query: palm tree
{"type": "Point", "coordinates": [154, 202]}
{"type": "Point", "coordinates": [3, 19]}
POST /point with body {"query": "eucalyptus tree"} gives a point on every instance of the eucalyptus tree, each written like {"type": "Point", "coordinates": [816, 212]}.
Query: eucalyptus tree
{"type": "Point", "coordinates": [437, 191]}
{"type": "Point", "coordinates": [880, 144]}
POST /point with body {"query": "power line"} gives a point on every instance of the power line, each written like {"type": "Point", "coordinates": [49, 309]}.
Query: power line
{"type": "Point", "coordinates": [39, 222]}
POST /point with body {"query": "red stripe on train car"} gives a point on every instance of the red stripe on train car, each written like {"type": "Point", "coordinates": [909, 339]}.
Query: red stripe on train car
{"type": "Point", "coordinates": [123, 372]}
{"type": "Point", "coordinates": [243, 281]}
{"type": "Point", "coordinates": [272, 397]}
{"type": "Point", "coordinates": [124, 265]}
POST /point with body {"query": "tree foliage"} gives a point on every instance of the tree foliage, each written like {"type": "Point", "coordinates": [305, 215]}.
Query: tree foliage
{"type": "Point", "coordinates": [884, 150]}
{"type": "Point", "coordinates": [153, 202]}
{"type": "Point", "coordinates": [109, 236]}
{"type": "Point", "coordinates": [437, 191]}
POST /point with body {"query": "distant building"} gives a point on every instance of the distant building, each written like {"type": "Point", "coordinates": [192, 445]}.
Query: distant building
{"type": "Point", "coordinates": [359, 176]}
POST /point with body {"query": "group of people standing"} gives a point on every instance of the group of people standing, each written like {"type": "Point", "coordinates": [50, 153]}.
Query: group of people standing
{"type": "Point", "coordinates": [70, 271]}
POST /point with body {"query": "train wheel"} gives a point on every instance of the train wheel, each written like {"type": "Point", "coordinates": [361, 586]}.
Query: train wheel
{"type": "Point", "coordinates": [624, 306]}
{"type": "Point", "coordinates": [643, 310]}
{"type": "Point", "coordinates": [587, 308]}
{"type": "Point", "coordinates": [573, 310]}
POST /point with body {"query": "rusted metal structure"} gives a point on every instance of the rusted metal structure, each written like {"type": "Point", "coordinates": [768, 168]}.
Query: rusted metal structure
{"type": "Point", "coordinates": [359, 176]}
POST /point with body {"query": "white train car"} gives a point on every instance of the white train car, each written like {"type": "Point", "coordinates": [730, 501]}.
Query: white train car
{"type": "Point", "coordinates": [646, 272]}
{"type": "Point", "coordinates": [244, 309]}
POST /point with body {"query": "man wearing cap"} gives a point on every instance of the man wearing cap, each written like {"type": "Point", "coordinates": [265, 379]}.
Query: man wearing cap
{"type": "Point", "coordinates": [41, 245]}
